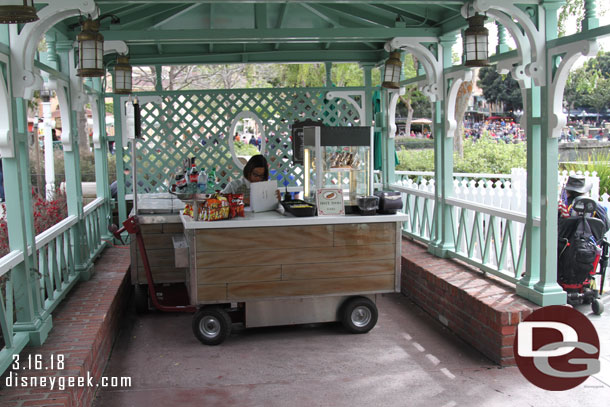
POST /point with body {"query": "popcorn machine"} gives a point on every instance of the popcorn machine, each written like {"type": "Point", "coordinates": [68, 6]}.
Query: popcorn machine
{"type": "Point", "coordinates": [338, 157]}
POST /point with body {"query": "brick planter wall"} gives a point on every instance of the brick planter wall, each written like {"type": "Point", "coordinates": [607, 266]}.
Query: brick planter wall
{"type": "Point", "coordinates": [483, 312]}
{"type": "Point", "coordinates": [85, 325]}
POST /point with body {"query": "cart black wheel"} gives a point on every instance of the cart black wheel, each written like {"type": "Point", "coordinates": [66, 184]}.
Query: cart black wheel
{"type": "Point", "coordinates": [211, 325]}
{"type": "Point", "coordinates": [597, 306]}
{"type": "Point", "coordinates": [140, 293]}
{"type": "Point", "coordinates": [358, 315]}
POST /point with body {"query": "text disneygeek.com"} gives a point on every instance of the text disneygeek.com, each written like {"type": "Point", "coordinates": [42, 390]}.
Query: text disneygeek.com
{"type": "Point", "coordinates": [63, 382]}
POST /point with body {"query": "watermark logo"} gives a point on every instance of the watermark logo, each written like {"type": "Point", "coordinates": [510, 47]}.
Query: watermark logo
{"type": "Point", "coordinates": [557, 348]}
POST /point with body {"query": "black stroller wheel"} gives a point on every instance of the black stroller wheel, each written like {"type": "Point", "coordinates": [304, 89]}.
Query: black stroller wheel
{"type": "Point", "coordinates": [597, 306]}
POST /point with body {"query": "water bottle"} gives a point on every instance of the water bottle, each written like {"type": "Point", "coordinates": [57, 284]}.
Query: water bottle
{"type": "Point", "coordinates": [202, 181]}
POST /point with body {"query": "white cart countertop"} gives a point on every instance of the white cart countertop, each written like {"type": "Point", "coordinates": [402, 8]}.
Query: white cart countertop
{"type": "Point", "coordinates": [273, 218]}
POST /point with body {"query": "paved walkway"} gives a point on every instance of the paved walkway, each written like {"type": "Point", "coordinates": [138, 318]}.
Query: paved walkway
{"type": "Point", "coordinates": [408, 359]}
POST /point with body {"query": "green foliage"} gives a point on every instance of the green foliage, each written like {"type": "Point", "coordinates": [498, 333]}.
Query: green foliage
{"type": "Point", "coordinates": [242, 148]}
{"type": "Point", "coordinates": [598, 162]}
{"type": "Point", "coordinates": [410, 143]}
{"type": "Point", "coordinates": [500, 88]}
{"type": "Point", "coordinates": [415, 160]}
{"type": "Point", "coordinates": [484, 156]}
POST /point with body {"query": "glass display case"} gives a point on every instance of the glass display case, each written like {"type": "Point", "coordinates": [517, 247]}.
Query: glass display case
{"type": "Point", "coordinates": [338, 157]}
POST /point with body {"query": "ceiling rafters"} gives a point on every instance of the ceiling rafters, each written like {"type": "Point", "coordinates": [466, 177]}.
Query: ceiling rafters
{"type": "Point", "coordinates": [370, 15]}
{"type": "Point", "coordinates": [134, 13]}
{"type": "Point", "coordinates": [342, 18]}
{"type": "Point", "coordinates": [146, 19]}
{"type": "Point", "coordinates": [403, 2]}
{"type": "Point", "coordinates": [176, 15]}
{"type": "Point", "coordinates": [320, 14]}
{"type": "Point", "coordinates": [420, 17]}
{"type": "Point", "coordinates": [294, 35]}
{"type": "Point", "coordinates": [260, 16]}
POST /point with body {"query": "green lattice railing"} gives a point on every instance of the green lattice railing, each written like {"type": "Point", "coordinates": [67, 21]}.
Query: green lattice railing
{"type": "Point", "coordinates": [197, 123]}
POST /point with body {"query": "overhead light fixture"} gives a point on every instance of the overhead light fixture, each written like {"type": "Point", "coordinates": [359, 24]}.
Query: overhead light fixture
{"type": "Point", "coordinates": [391, 73]}
{"type": "Point", "coordinates": [90, 50]}
{"type": "Point", "coordinates": [476, 39]}
{"type": "Point", "coordinates": [122, 75]}
{"type": "Point", "coordinates": [18, 11]}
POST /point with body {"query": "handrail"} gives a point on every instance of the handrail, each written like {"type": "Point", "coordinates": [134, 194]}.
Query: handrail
{"type": "Point", "coordinates": [412, 191]}
{"type": "Point", "coordinates": [92, 206]}
{"type": "Point", "coordinates": [10, 260]}
{"type": "Point", "coordinates": [456, 174]}
{"type": "Point", "coordinates": [490, 210]}
{"type": "Point", "coordinates": [54, 231]}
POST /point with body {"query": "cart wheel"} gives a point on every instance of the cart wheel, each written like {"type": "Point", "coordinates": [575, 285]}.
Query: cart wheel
{"type": "Point", "coordinates": [597, 306]}
{"type": "Point", "coordinates": [140, 293]}
{"type": "Point", "coordinates": [359, 315]}
{"type": "Point", "coordinates": [211, 325]}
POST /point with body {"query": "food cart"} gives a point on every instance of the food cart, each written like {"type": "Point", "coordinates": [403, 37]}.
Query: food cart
{"type": "Point", "coordinates": [274, 268]}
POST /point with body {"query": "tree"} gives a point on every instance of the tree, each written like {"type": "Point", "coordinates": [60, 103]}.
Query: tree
{"type": "Point", "coordinates": [599, 97]}
{"type": "Point", "coordinates": [580, 83]}
{"type": "Point", "coordinates": [500, 88]}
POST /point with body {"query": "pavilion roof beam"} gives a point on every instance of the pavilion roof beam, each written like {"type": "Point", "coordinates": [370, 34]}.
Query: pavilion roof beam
{"type": "Point", "coordinates": [319, 55]}
{"type": "Point", "coordinates": [143, 19]}
{"type": "Point", "coordinates": [175, 15]}
{"type": "Point", "coordinates": [260, 16]}
{"type": "Point", "coordinates": [347, 19]}
{"type": "Point", "coordinates": [134, 11]}
{"type": "Point", "coordinates": [403, 2]}
{"type": "Point", "coordinates": [320, 14]}
{"type": "Point", "coordinates": [282, 15]}
{"type": "Point", "coordinates": [268, 35]}
{"type": "Point", "coordinates": [419, 16]}
{"type": "Point", "coordinates": [368, 15]}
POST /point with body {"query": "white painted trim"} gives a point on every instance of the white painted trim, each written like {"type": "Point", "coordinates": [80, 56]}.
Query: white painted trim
{"type": "Point", "coordinates": [9, 261]}
{"type": "Point", "coordinates": [61, 91]}
{"type": "Point", "coordinates": [347, 95]}
{"type": "Point", "coordinates": [95, 115]}
{"type": "Point", "coordinates": [557, 84]}
{"type": "Point", "coordinates": [393, 94]}
{"type": "Point", "coordinates": [451, 97]}
{"type": "Point", "coordinates": [24, 44]}
{"type": "Point", "coordinates": [7, 147]}
{"type": "Point", "coordinates": [245, 114]}
{"type": "Point", "coordinates": [54, 231]}
{"type": "Point", "coordinates": [432, 65]}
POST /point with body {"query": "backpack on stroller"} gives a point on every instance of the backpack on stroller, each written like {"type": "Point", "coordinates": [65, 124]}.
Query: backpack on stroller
{"type": "Point", "coordinates": [582, 255]}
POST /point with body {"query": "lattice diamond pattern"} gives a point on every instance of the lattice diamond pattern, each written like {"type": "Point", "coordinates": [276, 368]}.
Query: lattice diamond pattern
{"type": "Point", "coordinates": [198, 123]}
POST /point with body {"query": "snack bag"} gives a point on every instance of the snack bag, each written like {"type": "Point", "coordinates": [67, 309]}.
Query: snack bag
{"type": "Point", "coordinates": [188, 210]}
{"type": "Point", "coordinates": [236, 205]}
{"type": "Point", "coordinates": [215, 208]}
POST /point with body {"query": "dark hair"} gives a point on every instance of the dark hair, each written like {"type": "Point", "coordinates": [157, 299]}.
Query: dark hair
{"type": "Point", "coordinates": [256, 161]}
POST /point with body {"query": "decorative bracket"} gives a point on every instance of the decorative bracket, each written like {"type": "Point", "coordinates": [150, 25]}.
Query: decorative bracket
{"type": "Point", "coordinates": [127, 115]}
{"type": "Point", "coordinates": [347, 95]}
{"type": "Point", "coordinates": [24, 44]}
{"type": "Point", "coordinates": [520, 26]}
{"type": "Point", "coordinates": [451, 97]}
{"type": "Point", "coordinates": [7, 147]}
{"type": "Point", "coordinates": [95, 113]}
{"type": "Point", "coordinates": [557, 119]}
{"type": "Point", "coordinates": [394, 94]}
{"type": "Point", "coordinates": [432, 64]}
{"type": "Point", "coordinates": [61, 90]}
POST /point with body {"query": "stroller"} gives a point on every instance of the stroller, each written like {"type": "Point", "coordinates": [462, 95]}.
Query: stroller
{"type": "Point", "coordinates": [582, 255]}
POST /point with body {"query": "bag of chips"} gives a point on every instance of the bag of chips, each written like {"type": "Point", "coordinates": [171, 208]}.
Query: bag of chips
{"type": "Point", "coordinates": [236, 205]}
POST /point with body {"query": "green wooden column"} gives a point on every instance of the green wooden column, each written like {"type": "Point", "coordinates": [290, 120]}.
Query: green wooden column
{"type": "Point", "coordinates": [540, 283]}
{"type": "Point", "coordinates": [102, 181]}
{"type": "Point", "coordinates": [119, 153]}
{"type": "Point", "coordinates": [442, 234]}
{"type": "Point", "coordinates": [24, 277]}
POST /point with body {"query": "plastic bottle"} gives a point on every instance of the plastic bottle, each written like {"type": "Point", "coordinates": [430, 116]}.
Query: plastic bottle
{"type": "Point", "coordinates": [202, 181]}
{"type": "Point", "coordinates": [180, 179]}
{"type": "Point", "coordinates": [193, 174]}
{"type": "Point", "coordinates": [212, 181]}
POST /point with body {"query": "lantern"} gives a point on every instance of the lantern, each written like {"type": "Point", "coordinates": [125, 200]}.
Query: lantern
{"type": "Point", "coordinates": [18, 11]}
{"type": "Point", "coordinates": [391, 73]}
{"type": "Point", "coordinates": [122, 75]}
{"type": "Point", "coordinates": [475, 41]}
{"type": "Point", "coordinates": [90, 50]}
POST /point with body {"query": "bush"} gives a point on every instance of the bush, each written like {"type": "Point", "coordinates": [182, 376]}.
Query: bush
{"type": "Point", "coordinates": [483, 156]}
{"type": "Point", "coordinates": [46, 214]}
{"type": "Point", "coordinates": [598, 162]}
{"type": "Point", "coordinates": [410, 143]}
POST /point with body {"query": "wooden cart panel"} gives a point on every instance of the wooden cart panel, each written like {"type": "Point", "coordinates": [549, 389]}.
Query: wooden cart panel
{"type": "Point", "coordinates": [255, 263]}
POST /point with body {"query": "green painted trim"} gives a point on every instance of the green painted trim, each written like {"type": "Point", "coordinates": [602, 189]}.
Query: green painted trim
{"type": "Point", "coordinates": [538, 298]}
{"type": "Point", "coordinates": [5, 49]}
{"type": "Point", "coordinates": [20, 341]}
{"type": "Point", "coordinates": [51, 71]}
{"type": "Point", "coordinates": [272, 35]}
{"type": "Point", "coordinates": [584, 35]}
{"type": "Point", "coordinates": [38, 330]}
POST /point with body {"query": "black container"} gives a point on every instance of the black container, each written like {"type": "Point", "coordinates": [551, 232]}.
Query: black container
{"type": "Point", "coordinates": [368, 204]}
{"type": "Point", "coordinates": [390, 202]}
{"type": "Point", "coordinates": [299, 208]}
